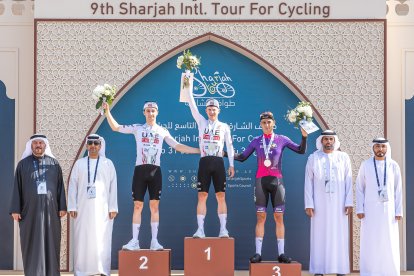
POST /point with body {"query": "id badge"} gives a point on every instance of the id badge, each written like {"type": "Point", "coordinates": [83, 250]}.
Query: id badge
{"type": "Point", "coordinates": [41, 188]}
{"type": "Point", "coordinates": [91, 191]}
{"type": "Point", "coordinates": [383, 196]}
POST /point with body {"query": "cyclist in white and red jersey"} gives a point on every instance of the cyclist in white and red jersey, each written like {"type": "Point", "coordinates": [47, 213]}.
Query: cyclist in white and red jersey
{"type": "Point", "coordinates": [147, 174]}
{"type": "Point", "coordinates": [212, 135]}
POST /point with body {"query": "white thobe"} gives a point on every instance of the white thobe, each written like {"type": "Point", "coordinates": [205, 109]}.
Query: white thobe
{"type": "Point", "coordinates": [92, 227]}
{"type": "Point", "coordinates": [328, 190]}
{"type": "Point", "coordinates": [379, 241]}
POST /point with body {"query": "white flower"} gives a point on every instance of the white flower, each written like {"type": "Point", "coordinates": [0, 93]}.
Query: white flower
{"type": "Point", "coordinates": [97, 92]}
{"type": "Point", "coordinates": [180, 60]}
{"type": "Point", "coordinates": [194, 61]}
{"type": "Point", "coordinates": [292, 116]}
{"type": "Point", "coordinates": [308, 111]}
{"type": "Point", "coordinates": [300, 109]}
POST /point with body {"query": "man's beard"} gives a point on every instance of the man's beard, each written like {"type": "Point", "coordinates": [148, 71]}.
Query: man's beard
{"type": "Point", "coordinates": [380, 154]}
{"type": "Point", "coordinates": [328, 147]}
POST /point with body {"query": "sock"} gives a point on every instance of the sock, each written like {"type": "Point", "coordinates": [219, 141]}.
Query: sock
{"type": "Point", "coordinates": [135, 231]}
{"type": "Point", "coordinates": [200, 221]}
{"type": "Point", "coordinates": [281, 246]}
{"type": "Point", "coordinates": [223, 221]}
{"type": "Point", "coordinates": [154, 230]}
{"type": "Point", "coordinates": [259, 242]}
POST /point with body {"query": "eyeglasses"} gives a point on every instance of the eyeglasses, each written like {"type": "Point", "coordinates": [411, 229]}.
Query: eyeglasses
{"type": "Point", "coordinates": [96, 143]}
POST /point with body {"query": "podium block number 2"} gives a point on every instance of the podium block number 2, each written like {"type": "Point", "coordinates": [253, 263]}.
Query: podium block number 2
{"type": "Point", "coordinates": [208, 252]}
{"type": "Point", "coordinates": [144, 261]}
{"type": "Point", "coordinates": [276, 270]}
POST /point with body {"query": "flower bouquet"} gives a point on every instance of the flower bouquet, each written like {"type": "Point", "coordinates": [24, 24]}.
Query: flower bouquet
{"type": "Point", "coordinates": [103, 94]}
{"type": "Point", "coordinates": [301, 115]}
{"type": "Point", "coordinates": [188, 62]}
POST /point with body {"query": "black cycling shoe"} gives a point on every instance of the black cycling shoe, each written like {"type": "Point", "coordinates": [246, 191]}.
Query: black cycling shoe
{"type": "Point", "coordinates": [256, 258]}
{"type": "Point", "coordinates": [284, 259]}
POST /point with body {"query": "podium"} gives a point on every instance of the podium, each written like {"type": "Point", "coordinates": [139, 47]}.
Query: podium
{"type": "Point", "coordinates": [144, 262]}
{"type": "Point", "coordinates": [275, 269]}
{"type": "Point", "coordinates": [209, 257]}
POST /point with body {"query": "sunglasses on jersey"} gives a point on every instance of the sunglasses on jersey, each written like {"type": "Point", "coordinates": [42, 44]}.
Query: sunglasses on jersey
{"type": "Point", "coordinates": [96, 143]}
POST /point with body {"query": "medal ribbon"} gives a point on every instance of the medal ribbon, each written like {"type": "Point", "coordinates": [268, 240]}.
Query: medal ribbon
{"type": "Point", "coordinates": [266, 148]}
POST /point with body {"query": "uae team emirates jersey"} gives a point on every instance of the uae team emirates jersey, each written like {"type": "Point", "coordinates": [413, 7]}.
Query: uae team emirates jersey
{"type": "Point", "coordinates": [212, 135]}
{"type": "Point", "coordinates": [149, 141]}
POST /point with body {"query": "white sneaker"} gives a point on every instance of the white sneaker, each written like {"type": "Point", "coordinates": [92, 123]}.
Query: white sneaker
{"type": "Point", "coordinates": [199, 234]}
{"type": "Point", "coordinates": [223, 233]}
{"type": "Point", "coordinates": [155, 245]}
{"type": "Point", "coordinates": [131, 245]}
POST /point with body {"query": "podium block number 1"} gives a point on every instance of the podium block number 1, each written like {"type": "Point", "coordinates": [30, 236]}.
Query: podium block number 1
{"type": "Point", "coordinates": [276, 270]}
{"type": "Point", "coordinates": [208, 251]}
{"type": "Point", "coordinates": [144, 261]}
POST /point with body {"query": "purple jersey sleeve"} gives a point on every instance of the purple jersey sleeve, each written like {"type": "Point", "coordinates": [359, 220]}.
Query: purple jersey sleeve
{"type": "Point", "coordinates": [248, 151]}
{"type": "Point", "coordinates": [279, 143]}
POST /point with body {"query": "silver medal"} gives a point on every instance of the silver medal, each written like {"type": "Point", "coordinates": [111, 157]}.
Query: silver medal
{"type": "Point", "coordinates": [267, 163]}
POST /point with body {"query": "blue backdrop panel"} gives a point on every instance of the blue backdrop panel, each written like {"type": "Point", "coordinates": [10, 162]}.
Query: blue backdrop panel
{"type": "Point", "coordinates": [244, 90]}
{"type": "Point", "coordinates": [6, 179]}
{"type": "Point", "coordinates": [409, 164]}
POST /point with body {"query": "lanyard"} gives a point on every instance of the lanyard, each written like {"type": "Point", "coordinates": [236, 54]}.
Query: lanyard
{"type": "Point", "coordinates": [41, 170]}
{"type": "Point", "coordinates": [89, 173]}
{"type": "Point", "coordinates": [385, 173]}
{"type": "Point", "coordinates": [267, 147]}
{"type": "Point", "coordinates": [327, 168]}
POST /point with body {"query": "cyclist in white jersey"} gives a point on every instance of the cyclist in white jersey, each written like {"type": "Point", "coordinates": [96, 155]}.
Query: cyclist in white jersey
{"type": "Point", "coordinates": [212, 135]}
{"type": "Point", "coordinates": [147, 173]}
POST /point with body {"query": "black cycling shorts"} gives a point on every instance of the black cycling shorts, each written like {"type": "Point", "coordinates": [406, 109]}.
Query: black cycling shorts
{"type": "Point", "coordinates": [147, 176]}
{"type": "Point", "coordinates": [269, 186]}
{"type": "Point", "coordinates": [211, 168]}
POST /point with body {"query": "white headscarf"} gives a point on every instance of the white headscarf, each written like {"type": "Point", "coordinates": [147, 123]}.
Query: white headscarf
{"type": "Point", "coordinates": [28, 151]}
{"type": "Point", "coordinates": [327, 132]}
{"type": "Point", "coordinates": [381, 140]}
{"type": "Point", "coordinates": [93, 137]}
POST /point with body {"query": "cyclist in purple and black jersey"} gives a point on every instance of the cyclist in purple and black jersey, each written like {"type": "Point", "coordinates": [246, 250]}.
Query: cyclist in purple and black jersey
{"type": "Point", "coordinates": [269, 180]}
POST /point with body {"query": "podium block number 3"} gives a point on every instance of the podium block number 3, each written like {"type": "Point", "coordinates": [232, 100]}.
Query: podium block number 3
{"type": "Point", "coordinates": [276, 271]}
{"type": "Point", "coordinates": [144, 261]}
{"type": "Point", "coordinates": [208, 252]}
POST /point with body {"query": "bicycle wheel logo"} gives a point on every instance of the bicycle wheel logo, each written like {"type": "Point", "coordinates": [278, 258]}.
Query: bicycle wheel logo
{"type": "Point", "coordinates": [215, 85]}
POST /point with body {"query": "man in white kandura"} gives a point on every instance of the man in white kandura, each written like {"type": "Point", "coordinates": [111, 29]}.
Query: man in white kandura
{"type": "Point", "coordinates": [149, 138]}
{"type": "Point", "coordinates": [328, 202]}
{"type": "Point", "coordinates": [93, 205]}
{"type": "Point", "coordinates": [212, 135]}
{"type": "Point", "coordinates": [379, 206]}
